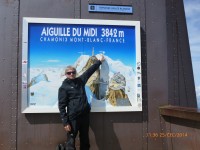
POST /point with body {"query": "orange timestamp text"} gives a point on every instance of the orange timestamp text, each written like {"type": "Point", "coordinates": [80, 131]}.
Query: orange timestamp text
{"type": "Point", "coordinates": [166, 135]}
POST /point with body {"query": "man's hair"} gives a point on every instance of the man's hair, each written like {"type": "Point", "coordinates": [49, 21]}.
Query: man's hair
{"type": "Point", "coordinates": [69, 68]}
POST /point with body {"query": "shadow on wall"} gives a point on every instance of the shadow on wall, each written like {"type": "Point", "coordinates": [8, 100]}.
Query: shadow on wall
{"type": "Point", "coordinates": [43, 118]}
{"type": "Point", "coordinates": [109, 129]}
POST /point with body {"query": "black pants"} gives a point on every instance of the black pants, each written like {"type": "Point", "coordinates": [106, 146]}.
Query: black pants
{"type": "Point", "coordinates": [80, 125]}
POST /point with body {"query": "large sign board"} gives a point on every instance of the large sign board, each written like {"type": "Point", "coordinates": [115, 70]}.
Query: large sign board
{"type": "Point", "coordinates": [50, 44]}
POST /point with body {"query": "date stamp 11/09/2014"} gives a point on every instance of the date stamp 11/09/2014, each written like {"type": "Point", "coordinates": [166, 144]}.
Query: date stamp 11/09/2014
{"type": "Point", "coordinates": [167, 134]}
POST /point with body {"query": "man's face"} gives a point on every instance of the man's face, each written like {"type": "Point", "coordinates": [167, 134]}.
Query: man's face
{"type": "Point", "coordinates": [71, 74]}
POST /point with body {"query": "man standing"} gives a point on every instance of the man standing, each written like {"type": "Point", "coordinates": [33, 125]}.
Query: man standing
{"type": "Point", "coordinates": [72, 95]}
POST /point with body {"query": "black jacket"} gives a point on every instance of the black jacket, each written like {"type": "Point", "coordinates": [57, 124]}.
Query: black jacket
{"type": "Point", "coordinates": [72, 95]}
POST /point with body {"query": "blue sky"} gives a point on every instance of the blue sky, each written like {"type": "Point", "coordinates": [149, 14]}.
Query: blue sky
{"type": "Point", "coordinates": [58, 54]}
{"type": "Point", "coordinates": [192, 13]}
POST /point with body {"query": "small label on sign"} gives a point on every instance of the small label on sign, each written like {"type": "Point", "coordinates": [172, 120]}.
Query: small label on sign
{"type": "Point", "coordinates": [110, 8]}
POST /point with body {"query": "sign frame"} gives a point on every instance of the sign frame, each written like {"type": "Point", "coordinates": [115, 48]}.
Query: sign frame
{"type": "Point", "coordinates": [28, 22]}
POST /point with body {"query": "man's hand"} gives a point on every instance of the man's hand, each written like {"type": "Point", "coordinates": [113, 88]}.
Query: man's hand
{"type": "Point", "coordinates": [67, 128]}
{"type": "Point", "coordinates": [102, 58]}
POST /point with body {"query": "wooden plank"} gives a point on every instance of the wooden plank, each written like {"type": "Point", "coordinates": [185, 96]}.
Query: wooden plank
{"type": "Point", "coordinates": [181, 112]}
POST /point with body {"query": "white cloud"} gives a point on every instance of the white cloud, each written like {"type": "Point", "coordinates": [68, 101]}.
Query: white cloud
{"type": "Point", "coordinates": [52, 61]}
{"type": "Point", "coordinates": [192, 13]}
{"type": "Point", "coordinates": [198, 91]}
{"type": "Point", "coordinates": [198, 95]}
{"type": "Point", "coordinates": [191, 7]}
{"type": "Point", "coordinates": [196, 66]}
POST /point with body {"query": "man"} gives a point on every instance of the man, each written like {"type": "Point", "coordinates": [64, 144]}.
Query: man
{"type": "Point", "coordinates": [72, 95]}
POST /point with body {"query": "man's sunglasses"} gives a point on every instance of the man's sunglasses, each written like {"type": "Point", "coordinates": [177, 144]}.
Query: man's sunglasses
{"type": "Point", "coordinates": [69, 73]}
